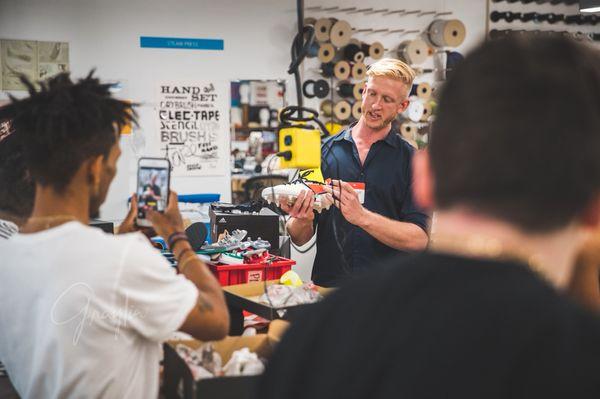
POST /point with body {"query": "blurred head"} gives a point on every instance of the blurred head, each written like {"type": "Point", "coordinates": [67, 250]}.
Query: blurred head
{"type": "Point", "coordinates": [17, 193]}
{"type": "Point", "coordinates": [154, 177]}
{"type": "Point", "coordinates": [386, 92]}
{"type": "Point", "coordinates": [517, 135]}
{"type": "Point", "coordinates": [70, 128]}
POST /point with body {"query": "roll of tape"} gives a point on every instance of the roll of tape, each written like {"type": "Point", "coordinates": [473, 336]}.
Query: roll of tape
{"type": "Point", "coordinates": [357, 110]}
{"type": "Point", "coordinates": [359, 71]}
{"type": "Point", "coordinates": [427, 112]}
{"type": "Point", "coordinates": [408, 130]}
{"type": "Point", "coordinates": [350, 51]}
{"type": "Point", "coordinates": [326, 52]}
{"type": "Point", "coordinates": [326, 108]}
{"type": "Point", "coordinates": [345, 89]}
{"type": "Point", "coordinates": [358, 90]}
{"type": "Point", "coordinates": [308, 88]}
{"type": "Point", "coordinates": [341, 70]}
{"type": "Point", "coordinates": [313, 50]}
{"type": "Point", "coordinates": [359, 57]}
{"type": "Point", "coordinates": [323, 29]}
{"type": "Point", "coordinates": [342, 110]}
{"type": "Point", "coordinates": [321, 88]}
{"type": "Point", "coordinates": [453, 59]}
{"type": "Point", "coordinates": [374, 50]}
{"type": "Point", "coordinates": [328, 69]}
{"type": "Point", "coordinates": [413, 51]}
{"type": "Point", "coordinates": [447, 33]}
{"type": "Point", "coordinates": [414, 112]}
{"type": "Point", "coordinates": [341, 33]}
{"type": "Point", "coordinates": [421, 90]}
{"type": "Point", "coordinates": [365, 47]}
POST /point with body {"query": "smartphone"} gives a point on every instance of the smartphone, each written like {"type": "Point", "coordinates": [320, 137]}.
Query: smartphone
{"type": "Point", "coordinates": [153, 185]}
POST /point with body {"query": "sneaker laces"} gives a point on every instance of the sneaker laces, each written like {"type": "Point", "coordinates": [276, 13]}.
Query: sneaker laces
{"type": "Point", "coordinates": [303, 180]}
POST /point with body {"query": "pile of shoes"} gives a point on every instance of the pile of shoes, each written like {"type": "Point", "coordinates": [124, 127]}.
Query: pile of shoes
{"type": "Point", "coordinates": [232, 250]}
{"type": "Point", "coordinates": [280, 295]}
{"type": "Point", "coordinates": [227, 243]}
{"type": "Point", "coordinates": [205, 362]}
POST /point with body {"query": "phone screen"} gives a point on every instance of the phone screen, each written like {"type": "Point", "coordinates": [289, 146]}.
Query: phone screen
{"type": "Point", "coordinates": [153, 188]}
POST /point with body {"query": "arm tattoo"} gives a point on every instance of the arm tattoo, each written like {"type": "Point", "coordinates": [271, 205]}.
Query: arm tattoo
{"type": "Point", "coordinates": [203, 303]}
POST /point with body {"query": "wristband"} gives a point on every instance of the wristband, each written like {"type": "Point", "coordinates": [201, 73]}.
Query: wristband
{"type": "Point", "coordinates": [183, 252]}
{"type": "Point", "coordinates": [175, 237]}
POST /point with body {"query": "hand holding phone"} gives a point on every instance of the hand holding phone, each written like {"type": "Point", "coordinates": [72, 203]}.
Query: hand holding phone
{"type": "Point", "coordinates": [168, 222]}
{"type": "Point", "coordinates": [129, 225]}
{"type": "Point", "coordinates": [153, 187]}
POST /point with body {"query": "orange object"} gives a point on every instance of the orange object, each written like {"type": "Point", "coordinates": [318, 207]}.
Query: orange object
{"type": "Point", "coordinates": [127, 128]}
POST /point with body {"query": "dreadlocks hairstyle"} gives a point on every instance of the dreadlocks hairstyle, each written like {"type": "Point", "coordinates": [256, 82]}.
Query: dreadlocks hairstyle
{"type": "Point", "coordinates": [17, 190]}
{"type": "Point", "coordinates": [63, 123]}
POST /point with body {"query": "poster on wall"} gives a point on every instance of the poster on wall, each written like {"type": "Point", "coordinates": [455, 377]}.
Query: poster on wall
{"type": "Point", "coordinates": [34, 59]}
{"type": "Point", "coordinates": [19, 57]}
{"type": "Point", "coordinates": [194, 127]}
{"type": "Point", "coordinates": [53, 58]}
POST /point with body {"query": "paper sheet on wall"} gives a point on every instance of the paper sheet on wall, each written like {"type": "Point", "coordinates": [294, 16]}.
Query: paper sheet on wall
{"type": "Point", "coordinates": [194, 127]}
{"type": "Point", "coordinates": [34, 59]}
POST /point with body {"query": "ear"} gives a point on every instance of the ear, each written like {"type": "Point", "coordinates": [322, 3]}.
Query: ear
{"type": "Point", "coordinates": [402, 106]}
{"type": "Point", "coordinates": [95, 170]}
{"type": "Point", "coordinates": [590, 217]}
{"type": "Point", "coordinates": [423, 183]}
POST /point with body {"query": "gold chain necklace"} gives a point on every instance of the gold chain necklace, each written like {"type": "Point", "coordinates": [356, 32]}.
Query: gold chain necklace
{"type": "Point", "coordinates": [479, 246]}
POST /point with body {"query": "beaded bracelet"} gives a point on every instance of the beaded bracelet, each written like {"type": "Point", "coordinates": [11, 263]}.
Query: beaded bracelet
{"type": "Point", "coordinates": [175, 237]}
{"type": "Point", "coordinates": [183, 252]}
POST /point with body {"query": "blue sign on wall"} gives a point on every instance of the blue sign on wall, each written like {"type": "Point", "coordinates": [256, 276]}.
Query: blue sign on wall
{"type": "Point", "coordinates": [181, 43]}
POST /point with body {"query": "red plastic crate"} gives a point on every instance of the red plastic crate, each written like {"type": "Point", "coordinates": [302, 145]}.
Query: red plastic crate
{"type": "Point", "coordinates": [245, 273]}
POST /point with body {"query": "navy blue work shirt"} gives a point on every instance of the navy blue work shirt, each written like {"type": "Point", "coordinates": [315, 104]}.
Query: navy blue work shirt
{"type": "Point", "coordinates": [344, 249]}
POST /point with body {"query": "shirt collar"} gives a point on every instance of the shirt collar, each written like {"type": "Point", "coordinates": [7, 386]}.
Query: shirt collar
{"type": "Point", "coordinates": [391, 139]}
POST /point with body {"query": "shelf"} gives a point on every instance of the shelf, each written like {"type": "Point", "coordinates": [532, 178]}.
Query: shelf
{"type": "Point", "coordinates": [254, 129]}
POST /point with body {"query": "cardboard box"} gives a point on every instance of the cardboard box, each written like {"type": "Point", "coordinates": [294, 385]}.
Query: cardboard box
{"type": "Point", "coordinates": [179, 383]}
{"type": "Point", "coordinates": [264, 225]}
{"type": "Point", "coordinates": [245, 297]}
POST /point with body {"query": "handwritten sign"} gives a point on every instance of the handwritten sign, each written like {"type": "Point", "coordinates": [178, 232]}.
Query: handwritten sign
{"type": "Point", "coordinates": [193, 129]}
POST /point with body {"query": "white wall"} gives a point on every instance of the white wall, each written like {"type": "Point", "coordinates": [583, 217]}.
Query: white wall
{"type": "Point", "coordinates": [105, 35]}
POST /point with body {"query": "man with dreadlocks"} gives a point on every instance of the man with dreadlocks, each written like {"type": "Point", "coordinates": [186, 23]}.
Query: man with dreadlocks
{"type": "Point", "coordinates": [83, 312]}
{"type": "Point", "coordinates": [15, 203]}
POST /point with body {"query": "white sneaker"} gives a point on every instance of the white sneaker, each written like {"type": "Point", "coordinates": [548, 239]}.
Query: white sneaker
{"type": "Point", "coordinates": [228, 242]}
{"type": "Point", "coordinates": [323, 200]}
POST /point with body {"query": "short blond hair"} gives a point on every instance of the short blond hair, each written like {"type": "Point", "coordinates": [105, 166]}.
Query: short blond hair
{"type": "Point", "coordinates": [392, 68]}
